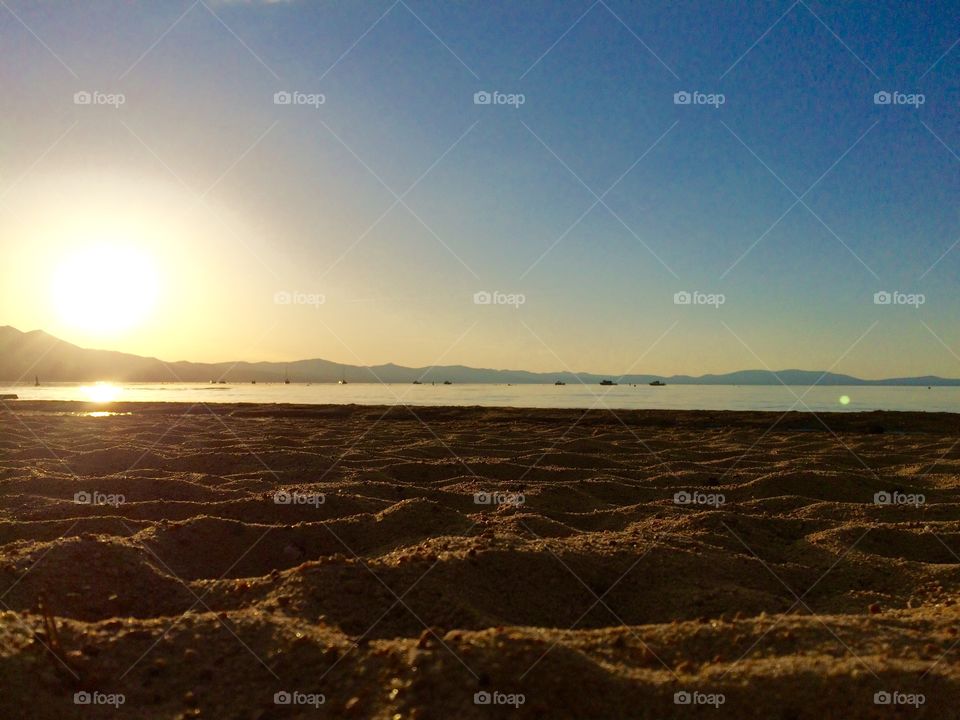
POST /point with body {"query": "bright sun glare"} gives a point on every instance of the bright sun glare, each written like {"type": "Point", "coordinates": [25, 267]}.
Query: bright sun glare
{"type": "Point", "coordinates": [101, 392]}
{"type": "Point", "coordinates": [105, 288]}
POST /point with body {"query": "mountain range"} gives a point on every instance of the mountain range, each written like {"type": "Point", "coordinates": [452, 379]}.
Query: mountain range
{"type": "Point", "coordinates": [25, 355]}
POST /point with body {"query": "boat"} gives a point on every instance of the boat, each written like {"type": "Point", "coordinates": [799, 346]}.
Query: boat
{"type": "Point", "coordinates": [36, 381]}
{"type": "Point", "coordinates": [559, 382]}
{"type": "Point", "coordinates": [253, 382]}
{"type": "Point", "coordinates": [607, 382]}
{"type": "Point", "coordinates": [657, 383]}
{"type": "Point", "coordinates": [286, 377]}
{"type": "Point", "coordinates": [417, 382]}
{"type": "Point", "coordinates": [447, 382]}
{"type": "Point", "coordinates": [343, 377]}
{"type": "Point", "coordinates": [8, 396]}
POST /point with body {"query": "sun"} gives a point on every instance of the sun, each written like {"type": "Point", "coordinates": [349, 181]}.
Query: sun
{"type": "Point", "coordinates": [105, 288]}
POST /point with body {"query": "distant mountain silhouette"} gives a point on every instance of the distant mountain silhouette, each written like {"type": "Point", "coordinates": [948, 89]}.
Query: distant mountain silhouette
{"type": "Point", "coordinates": [26, 354]}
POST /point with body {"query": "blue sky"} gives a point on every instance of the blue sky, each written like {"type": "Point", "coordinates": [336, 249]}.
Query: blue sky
{"type": "Point", "coordinates": [597, 199]}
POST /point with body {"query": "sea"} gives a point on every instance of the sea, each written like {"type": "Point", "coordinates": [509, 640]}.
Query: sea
{"type": "Point", "coordinates": [832, 398]}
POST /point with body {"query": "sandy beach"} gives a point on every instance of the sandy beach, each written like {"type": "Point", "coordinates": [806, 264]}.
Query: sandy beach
{"type": "Point", "coordinates": [253, 562]}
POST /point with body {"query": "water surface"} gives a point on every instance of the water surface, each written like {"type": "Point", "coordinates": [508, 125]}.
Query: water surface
{"type": "Point", "coordinates": [673, 397]}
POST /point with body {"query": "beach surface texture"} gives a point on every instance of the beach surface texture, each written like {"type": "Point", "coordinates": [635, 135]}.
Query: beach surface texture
{"type": "Point", "coordinates": [250, 562]}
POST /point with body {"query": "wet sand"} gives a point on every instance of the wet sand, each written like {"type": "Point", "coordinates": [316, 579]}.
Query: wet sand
{"type": "Point", "coordinates": [198, 560]}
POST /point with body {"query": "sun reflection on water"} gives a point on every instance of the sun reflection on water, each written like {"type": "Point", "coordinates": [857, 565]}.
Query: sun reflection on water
{"type": "Point", "coordinates": [101, 392]}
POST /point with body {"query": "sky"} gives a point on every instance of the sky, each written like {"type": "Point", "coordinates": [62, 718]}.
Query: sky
{"type": "Point", "coordinates": [537, 185]}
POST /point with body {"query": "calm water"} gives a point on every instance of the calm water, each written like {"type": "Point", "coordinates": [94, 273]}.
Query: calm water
{"type": "Point", "coordinates": [677, 397]}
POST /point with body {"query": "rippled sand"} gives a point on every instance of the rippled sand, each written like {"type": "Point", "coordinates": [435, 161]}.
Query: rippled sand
{"type": "Point", "coordinates": [785, 591]}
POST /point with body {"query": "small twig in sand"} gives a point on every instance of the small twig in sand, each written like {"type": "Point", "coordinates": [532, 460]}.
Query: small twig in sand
{"type": "Point", "coordinates": [53, 637]}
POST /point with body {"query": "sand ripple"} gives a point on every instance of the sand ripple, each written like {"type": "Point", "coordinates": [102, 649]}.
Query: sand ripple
{"type": "Point", "coordinates": [578, 580]}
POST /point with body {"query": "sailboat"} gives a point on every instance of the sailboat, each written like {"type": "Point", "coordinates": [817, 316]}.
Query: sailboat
{"type": "Point", "coordinates": [36, 381]}
{"type": "Point", "coordinates": [343, 376]}
{"type": "Point", "coordinates": [286, 377]}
